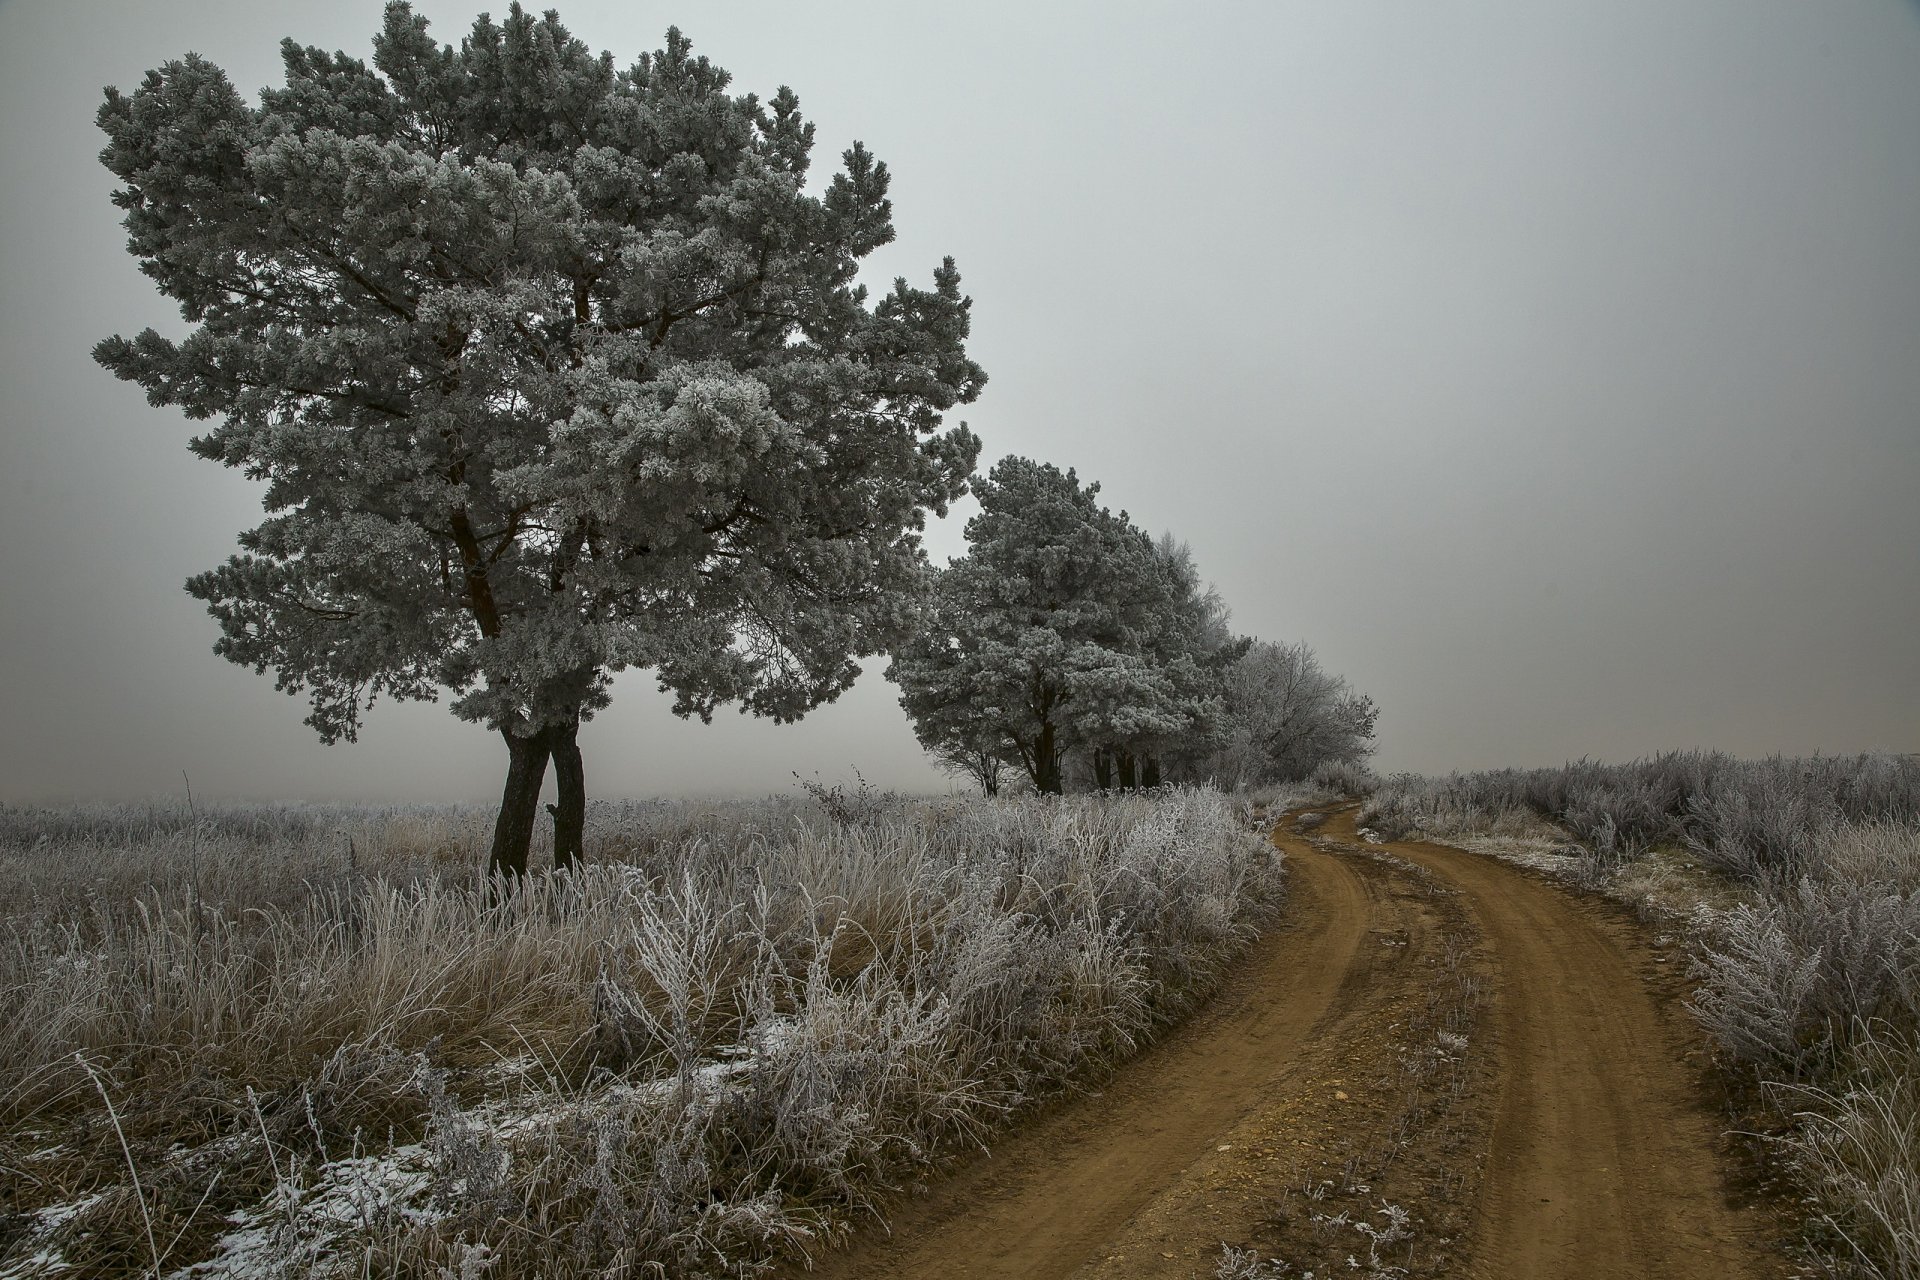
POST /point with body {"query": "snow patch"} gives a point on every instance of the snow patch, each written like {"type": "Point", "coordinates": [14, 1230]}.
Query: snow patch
{"type": "Point", "coordinates": [350, 1195]}
{"type": "Point", "coordinates": [46, 1260]}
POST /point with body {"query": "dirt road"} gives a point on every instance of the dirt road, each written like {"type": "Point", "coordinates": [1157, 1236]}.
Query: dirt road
{"type": "Point", "coordinates": [1332, 1073]}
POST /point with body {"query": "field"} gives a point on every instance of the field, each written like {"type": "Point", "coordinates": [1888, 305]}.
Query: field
{"type": "Point", "coordinates": [1596, 1020]}
{"type": "Point", "coordinates": [256, 1042]}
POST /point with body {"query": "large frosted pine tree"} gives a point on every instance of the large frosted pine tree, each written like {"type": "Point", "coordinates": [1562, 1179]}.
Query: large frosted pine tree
{"type": "Point", "coordinates": [549, 369]}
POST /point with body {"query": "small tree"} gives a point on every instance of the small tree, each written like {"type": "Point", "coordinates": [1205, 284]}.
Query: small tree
{"type": "Point", "coordinates": [550, 369]}
{"type": "Point", "coordinates": [1287, 715]}
{"type": "Point", "coordinates": [1040, 639]}
{"type": "Point", "coordinates": [985, 765]}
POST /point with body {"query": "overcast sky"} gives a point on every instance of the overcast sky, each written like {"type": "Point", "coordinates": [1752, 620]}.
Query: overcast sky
{"type": "Point", "coordinates": [1553, 369]}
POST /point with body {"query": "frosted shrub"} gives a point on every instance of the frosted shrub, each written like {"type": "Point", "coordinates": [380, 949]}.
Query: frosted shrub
{"type": "Point", "coordinates": [1761, 819]}
{"type": "Point", "coordinates": [1787, 976]}
{"type": "Point", "coordinates": [1620, 821]}
{"type": "Point", "coordinates": [1344, 778]}
{"type": "Point", "coordinates": [1407, 806]}
{"type": "Point", "coordinates": [1758, 823]}
{"type": "Point", "coordinates": [1758, 996]}
{"type": "Point", "coordinates": [1750, 819]}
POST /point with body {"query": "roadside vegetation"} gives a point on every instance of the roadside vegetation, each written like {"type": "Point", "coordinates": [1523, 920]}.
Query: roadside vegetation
{"type": "Point", "coordinates": [257, 1042]}
{"type": "Point", "coordinates": [1798, 883]}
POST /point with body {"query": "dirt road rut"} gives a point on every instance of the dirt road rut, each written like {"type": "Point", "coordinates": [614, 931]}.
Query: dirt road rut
{"type": "Point", "coordinates": [1581, 1149]}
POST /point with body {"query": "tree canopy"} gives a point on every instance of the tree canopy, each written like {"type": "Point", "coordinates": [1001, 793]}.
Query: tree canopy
{"type": "Point", "coordinates": [1061, 628]}
{"type": "Point", "coordinates": [549, 369]}
{"type": "Point", "coordinates": [1286, 715]}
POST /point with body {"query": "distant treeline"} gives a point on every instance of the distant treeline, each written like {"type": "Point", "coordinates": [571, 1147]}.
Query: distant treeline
{"type": "Point", "coordinates": [1069, 650]}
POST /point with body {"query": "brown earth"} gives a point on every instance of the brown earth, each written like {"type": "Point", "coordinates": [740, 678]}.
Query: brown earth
{"type": "Point", "coordinates": [1316, 1091]}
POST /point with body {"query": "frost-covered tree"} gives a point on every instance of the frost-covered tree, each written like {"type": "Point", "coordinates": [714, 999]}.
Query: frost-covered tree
{"type": "Point", "coordinates": [549, 369]}
{"type": "Point", "coordinates": [1286, 715]}
{"type": "Point", "coordinates": [1192, 648]}
{"type": "Point", "coordinates": [1197, 603]}
{"type": "Point", "coordinates": [985, 764]}
{"type": "Point", "coordinates": [1047, 636]}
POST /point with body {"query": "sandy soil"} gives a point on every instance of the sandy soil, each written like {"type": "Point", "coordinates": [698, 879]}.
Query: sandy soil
{"type": "Point", "coordinates": [1573, 1139]}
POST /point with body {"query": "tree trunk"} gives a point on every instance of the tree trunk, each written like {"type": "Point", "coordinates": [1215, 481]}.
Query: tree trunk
{"type": "Point", "coordinates": [1150, 771]}
{"type": "Point", "coordinates": [1046, 762]}
{"type": "Point", "coordinates": [519, 802]}
{"type": "Point", "coordinates": [570, 811]}
{"type": "Point", "coordinates": [1103, 768]}
{"type": "Point", "coordinates": [1128, 781]}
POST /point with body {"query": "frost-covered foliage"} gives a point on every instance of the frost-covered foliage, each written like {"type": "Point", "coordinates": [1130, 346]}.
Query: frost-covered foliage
{"type": "Point", "coordinates": [1345, 778]}
{"type": "Point", "coordinates": [1069, 645]}
{"type": "Point", "coordinates": [1807, 952]}
{"type": "Point", "coordinates": [1858, 1148]}
{"type": "Point", "coordinates": [1790, 976]}
{"type": "Point", "coordinates": [1757, 820]}
{"type": "Point", "coordinates": [1285, 716]}
{"type": "Point", "coordinates": [551, 369]}
{"type": "Point", "coordinates": [711, 1042]}
{"type": "Point", "coordinates": [1063, 628]}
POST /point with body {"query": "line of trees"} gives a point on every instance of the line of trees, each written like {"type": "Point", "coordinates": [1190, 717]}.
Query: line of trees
{"type": "Point", "coordinates": [1070, 648]}
{"type": "Point", "coordinates": [550, 369]}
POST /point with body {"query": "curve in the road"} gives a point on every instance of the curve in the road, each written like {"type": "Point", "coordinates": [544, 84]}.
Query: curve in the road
{"type": "Point", "coordinates": [1602, 1159]}
{"type": "Point", "coordinates": [1055, 1191]}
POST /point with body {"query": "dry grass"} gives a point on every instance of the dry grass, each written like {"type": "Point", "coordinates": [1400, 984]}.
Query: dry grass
{"type": "Point", "coordinates": [1858, 1147]}
{"type": "Point", "coordinates": [327, 1047]}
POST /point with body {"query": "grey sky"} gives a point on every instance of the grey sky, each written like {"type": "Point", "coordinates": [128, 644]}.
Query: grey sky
{"type": "Point", "coordinates": [1554, 370]}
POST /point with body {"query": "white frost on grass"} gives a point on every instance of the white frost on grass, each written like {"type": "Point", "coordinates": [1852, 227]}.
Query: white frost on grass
{"type": "Point", "coordinates": [46, 1259]}
{"type": "Point", "coordinates": [1554, 857]}
{"type": "Point", "coordinates": [299, 1224]}
{"type": "Point", "coordinates": [343, 1201]}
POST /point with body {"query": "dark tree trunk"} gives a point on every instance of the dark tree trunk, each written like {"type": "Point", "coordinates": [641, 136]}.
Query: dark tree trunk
{"type": "Point", "coordinates": [1046, 762]}
{"type": "Point", "coordinates": [1150, 771]}
{"type": "Point", "coordinates": [1128, 779]}
{"type": "Point", "coordinates": [570, 810]}
{"type": "Point", "coordinates": [519, 802]}
{"type": "Point", "coordinates": [1103, 768]}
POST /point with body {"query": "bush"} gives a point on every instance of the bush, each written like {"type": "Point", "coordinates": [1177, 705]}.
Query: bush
{"type": "Point", "coordinates": [1755, 820]}
{"type": "Point", "coordinates": [1344, 778]}
{"type": "Point", "coordinates": [1788, 976]}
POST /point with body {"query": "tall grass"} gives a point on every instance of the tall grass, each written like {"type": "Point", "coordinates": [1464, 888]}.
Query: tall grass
{"type": "Point", "coordinates": [1754, 820]}
{"type": "Point", "coordinates": [331, 1047]}
{"type": "Point", "coordinates": [1858, 1148]}
{"type": "Point", "coordinates": [1809, 978]}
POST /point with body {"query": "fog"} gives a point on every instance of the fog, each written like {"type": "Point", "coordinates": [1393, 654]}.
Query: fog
{"type": "Point", "coordinates": [1554, 371]}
